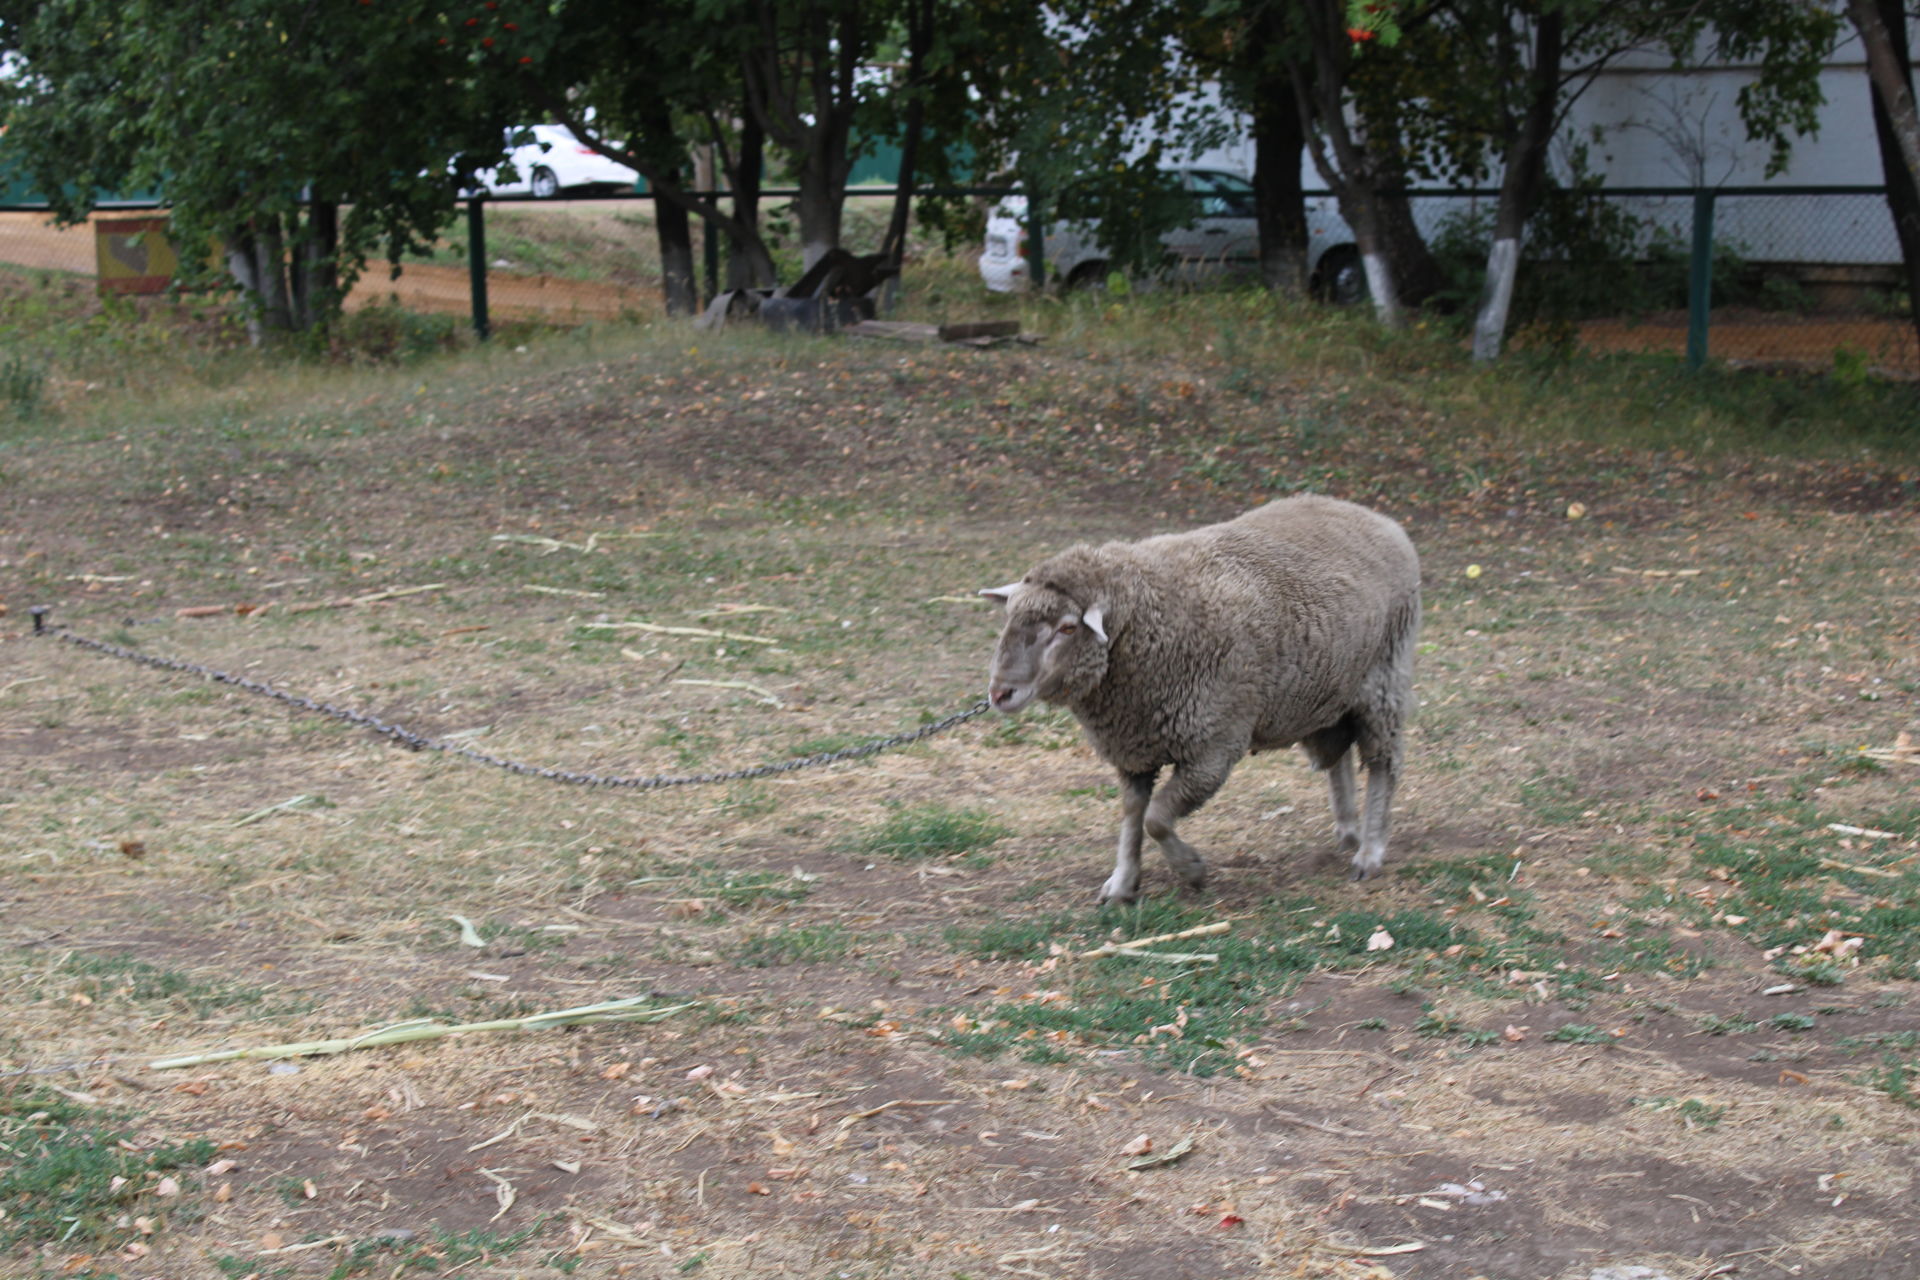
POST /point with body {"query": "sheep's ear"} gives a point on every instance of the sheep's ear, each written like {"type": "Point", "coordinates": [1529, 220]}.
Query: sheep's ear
{"type": "Point", "coordinates": [1000, 595]}
{"type": "Point", "coordinates": [1095, 621]}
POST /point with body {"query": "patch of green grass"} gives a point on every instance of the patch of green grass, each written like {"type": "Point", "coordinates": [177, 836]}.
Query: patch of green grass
{"type": "Point", "coordinates": [1651, 953]}
{"type": "Point", "coordinates": [730, 887]}
{"type": "Point", "coordinates": [1187, 1017]}
{"type": "Point", "coordinates": [808, 944]}
{"type": "Point", "coordinates": [1791, 1022]}
{"type": "Point", "coordinates": [1789, 884]}
{"type": "Point", "coordinates": [120, 977]}
{"type": "Point", "coordinates": [1732, 1024]}
{"type": "Point", "coordinates": [75, 1176]}
{"type": "Point", "coordinates": [1691, 1112]}
{"type": "Point", "coordinates": [920, 832]}
{"type": "Point", "coordinates": [1895, 1077]}
{"type": "Point", "coordinates": [1578, 1033]}
{"type": "Point", "coordinates": [1554, 798]}
{"type": "Point", "coordinates": [443, 1251]}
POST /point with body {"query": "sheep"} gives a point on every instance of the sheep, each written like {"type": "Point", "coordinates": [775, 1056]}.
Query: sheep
{"type": "Point", "coordinates": [1293, 623]}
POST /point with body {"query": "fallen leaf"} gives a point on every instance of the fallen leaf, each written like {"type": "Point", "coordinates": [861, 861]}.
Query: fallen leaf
{"type": "Point", "coordinates": [1380, 941]}
{"type": "Point", "coordinates": [168, 1186]}
{"type": "Point", "coordinates": [700, 1073]}
{"type": "Point", "coordinates": [616, 1071]}
{"type": "Point", "coordinates": [1138, 1147]}
{"type": "Point", "coordinates": [1513, 1034]}
{"type": "Point", "coordinates": [758, 1189]}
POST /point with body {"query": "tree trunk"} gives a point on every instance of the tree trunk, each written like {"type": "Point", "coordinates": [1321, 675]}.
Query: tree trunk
{"type": "Point", "coordinates": [1903, 186]}
{"type": "Point", "coordinates": [1519, 185]}
{"type": "Point", "coordinates": [749, 262]}
{"type": "Point", "coordinates": [919, 31]}
{"type": "Point", "coordinates": [1348, 172]}
{"type": "Point", "coordinates": [316, 275]}
{"type": "Point", "coordinates": [801, 89]}
{"type": "Point", "coordinates": [675, 231]}
{"type": "Point", "coordinates": [1279, 208]}
{"type": "Point", "coordinates": [1892, 83]}
{"type": "Point", "coordinates": [241, 266]}
{"type": "Point", "coordinates": [270, 270]}
{"type": "Point", "coordinates": [1416, 273]}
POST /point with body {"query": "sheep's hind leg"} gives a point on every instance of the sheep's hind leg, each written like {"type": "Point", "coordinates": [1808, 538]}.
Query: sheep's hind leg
{"type": "Point", "coordinates": [1124, 884]}
{"type": "Point", "coordinates": [1383, 775]}
{"type": "Point", "coordinates": [1344, 793]}
{"type": "Point", "coordinates": [1331, 751]}
{"type": "Point", "coordinates": [1191, 786]}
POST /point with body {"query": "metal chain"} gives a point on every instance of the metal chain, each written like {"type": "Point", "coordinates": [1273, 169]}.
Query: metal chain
{"type": "Point", "coordinates": [420, 742]}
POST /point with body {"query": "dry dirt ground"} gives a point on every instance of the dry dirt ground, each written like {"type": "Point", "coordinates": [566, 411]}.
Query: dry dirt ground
{"type": "Point", "coordinates": [515, 291]}
{"type": "Point", "coordinates": [1637, 988]}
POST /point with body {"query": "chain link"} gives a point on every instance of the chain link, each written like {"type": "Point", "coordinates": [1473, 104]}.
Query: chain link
{"type": "Point", "coordinates": [420, 742]}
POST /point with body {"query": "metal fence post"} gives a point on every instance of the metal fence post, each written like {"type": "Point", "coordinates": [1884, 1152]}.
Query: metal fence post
{"type": "Point", "coordinates": [710, 250]}
{"type": "Point", "coordinates": [1036, 242]}
{"type": "Point", "coordinates": [477, 265]}
{"type": "Point", "coordinates": [1700, 279]}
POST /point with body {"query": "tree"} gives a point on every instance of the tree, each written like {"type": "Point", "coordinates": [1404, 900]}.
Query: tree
{"type": "Point", "coordinates": [1895, 126]}
{"type": "Point", "coordinates": [1486, 86]}
{"type": "Point", "coordinates": [249, 115]}
{"type": "Point", "coordinates": [1250, 45]}
{"type": "Point", "coordinates": [1352, 170]}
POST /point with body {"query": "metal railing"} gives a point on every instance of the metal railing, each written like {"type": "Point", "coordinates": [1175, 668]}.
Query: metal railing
{"type": "Point", "coordinates": [1797, 275]}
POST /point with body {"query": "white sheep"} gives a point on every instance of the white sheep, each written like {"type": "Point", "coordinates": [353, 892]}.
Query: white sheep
{"type": "Point", "coordinates": [1295, 622]}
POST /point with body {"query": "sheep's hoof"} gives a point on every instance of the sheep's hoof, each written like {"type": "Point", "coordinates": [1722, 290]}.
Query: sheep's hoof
{"type": "Point", "coordinates": [1361, 873]}
{"type": "Point", "coordinates": [1117, 894]}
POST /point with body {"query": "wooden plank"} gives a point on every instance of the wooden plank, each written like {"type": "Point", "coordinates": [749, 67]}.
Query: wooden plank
{"type": "Point", "coordinates": [979, 329]}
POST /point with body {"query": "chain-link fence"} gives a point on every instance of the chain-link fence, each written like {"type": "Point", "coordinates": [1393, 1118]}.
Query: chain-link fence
{"type": "Point", "coordinates": [1803, 277]}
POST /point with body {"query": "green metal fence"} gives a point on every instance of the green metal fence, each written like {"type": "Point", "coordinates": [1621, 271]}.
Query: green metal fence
{"type": "Point", "coordinates": [1807, 277]}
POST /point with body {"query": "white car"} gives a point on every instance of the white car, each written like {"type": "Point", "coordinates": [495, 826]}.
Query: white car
{"type": "Point", "coordinates": [1222, 238]}
{"type": "Point", "coordinates": [547, 160]}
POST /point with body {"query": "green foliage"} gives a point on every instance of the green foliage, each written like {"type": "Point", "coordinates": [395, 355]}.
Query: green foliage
{"type": "Point", "coordinates": [73, 1175]}
{"type": "Point", "coordinates": [23, 383]}
{"type": "Point", "coordinates": [241, 114]}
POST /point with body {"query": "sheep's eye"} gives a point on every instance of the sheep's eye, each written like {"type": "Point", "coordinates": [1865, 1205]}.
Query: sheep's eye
{"type": "Point", "coordinates": [1068, 628]}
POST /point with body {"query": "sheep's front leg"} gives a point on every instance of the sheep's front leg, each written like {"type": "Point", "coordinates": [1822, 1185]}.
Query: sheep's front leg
{"type": "Point", "coordinates": [1191, 786]}
{"type": "Point", "coordinates": [1124, 884]}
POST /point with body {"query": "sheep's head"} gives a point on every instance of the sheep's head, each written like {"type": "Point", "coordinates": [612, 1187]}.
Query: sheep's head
{"type": "Point", "coordinates": [1052, 647]}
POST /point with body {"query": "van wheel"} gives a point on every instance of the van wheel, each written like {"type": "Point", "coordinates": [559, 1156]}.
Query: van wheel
{"type": "Point", "coordinates": [1088, 277]}
{"type": "Point", "coordinates": [1340, 278]}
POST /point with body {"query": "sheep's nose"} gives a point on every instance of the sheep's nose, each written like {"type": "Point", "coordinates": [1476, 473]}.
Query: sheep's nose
{"type": "Point", "coordinates": [1000, 694]}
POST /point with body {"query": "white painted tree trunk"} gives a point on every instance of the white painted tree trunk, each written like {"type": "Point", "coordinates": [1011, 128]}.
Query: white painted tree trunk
{"type": "Point", "coordinates": [1490, 325]}
{"type": "Point", "coordinates": [1386, 302]}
